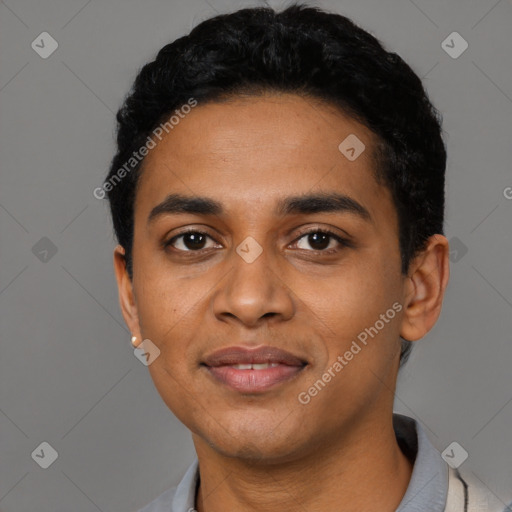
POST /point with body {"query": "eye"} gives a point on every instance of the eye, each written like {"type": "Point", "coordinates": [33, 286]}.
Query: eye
{"type": "Point", "coordinates": [321, 241]}
{"type": "Point", "coordinates": [190, 241]}
{"type": "Point", "coordinates": [318, 240]}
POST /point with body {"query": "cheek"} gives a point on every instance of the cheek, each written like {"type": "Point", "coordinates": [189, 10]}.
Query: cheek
{"type": "Point", "coordinates": [349, 307]}
{"type": "Point", "coordinates": [350, 297]}
{"type": "Point", "coordinates": [169, 317]}
{"type": "Point", "coordinates": [165, 309]}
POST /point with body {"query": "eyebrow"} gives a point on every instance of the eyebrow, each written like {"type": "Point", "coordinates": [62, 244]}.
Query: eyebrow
{"type": "Point", "coordinates": [303, 204]}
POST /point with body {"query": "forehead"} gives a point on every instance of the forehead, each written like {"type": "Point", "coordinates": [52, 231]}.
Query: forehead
{"type": "Point", "coordinates": [251, 150]}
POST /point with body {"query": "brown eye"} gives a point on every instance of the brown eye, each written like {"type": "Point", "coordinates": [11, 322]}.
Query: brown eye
{"type": "Point", "coordinates": [189, 241]}
{"type": "Point", "coordinates": [318, 241]}
{"type": "Point", "coordinates": [321, 241]}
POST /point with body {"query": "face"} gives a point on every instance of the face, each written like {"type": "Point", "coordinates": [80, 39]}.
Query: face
{"type": "Point", "coordinates": [293, 246]}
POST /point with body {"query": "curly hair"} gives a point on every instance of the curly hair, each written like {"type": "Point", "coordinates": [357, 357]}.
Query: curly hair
{"type": "Point", "coordinates": [310, 52]}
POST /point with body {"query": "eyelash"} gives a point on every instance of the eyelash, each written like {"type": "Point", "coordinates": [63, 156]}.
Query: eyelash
{"type": "Point", "coordinates": [342, 241]}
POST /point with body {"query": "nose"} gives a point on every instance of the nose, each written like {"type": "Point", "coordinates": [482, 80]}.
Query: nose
{"type": "Point", "coordinates": [253, 291]}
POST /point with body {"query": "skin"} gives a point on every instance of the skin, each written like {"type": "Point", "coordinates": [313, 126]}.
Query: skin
{"type": "Point", "coordinates": [260, 452]}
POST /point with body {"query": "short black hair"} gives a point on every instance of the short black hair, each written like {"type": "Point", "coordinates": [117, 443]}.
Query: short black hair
{"type": "Point", "coordinates": [306, 51]}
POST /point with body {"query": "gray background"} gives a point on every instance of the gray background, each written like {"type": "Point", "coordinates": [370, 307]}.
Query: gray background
{"type": "Point", "coordinates": [68, 375]}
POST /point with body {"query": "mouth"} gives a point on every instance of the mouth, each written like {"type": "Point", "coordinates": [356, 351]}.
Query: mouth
{"type": "Point", "coordinates": [253, 370]}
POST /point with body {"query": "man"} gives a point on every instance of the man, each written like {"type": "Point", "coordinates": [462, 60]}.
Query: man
{"type": "Point", "coordinates": [278, 198]}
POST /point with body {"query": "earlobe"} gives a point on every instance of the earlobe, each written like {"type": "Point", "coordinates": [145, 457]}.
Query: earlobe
{"type": "Point", "coordinates": [424, 288]}
{"type": "Point", "coordinates": [125, 290]}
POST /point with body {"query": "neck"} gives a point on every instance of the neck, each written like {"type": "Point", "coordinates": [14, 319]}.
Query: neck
{"type": "Point", "coordinates": [355, 472]}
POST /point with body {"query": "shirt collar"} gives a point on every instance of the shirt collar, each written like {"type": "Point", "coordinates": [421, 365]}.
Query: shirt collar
{"type": "Point", "coordinates": [185, 496]}
{"type": "Point", "coordinates": [427, 489]}
{"type": "Point", "coordinates": [428, 486]}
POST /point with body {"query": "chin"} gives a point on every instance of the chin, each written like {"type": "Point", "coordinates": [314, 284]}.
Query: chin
{"type": "Point", "coordinates": [255, 452]}
{"type": "Point", "coordinates": [267, 442]}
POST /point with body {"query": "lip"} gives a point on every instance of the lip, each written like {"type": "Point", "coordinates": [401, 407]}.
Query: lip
{"type": "Point", "coordinates": [259, 355]}
{"type": "Point", "coordinates": [285, 366]}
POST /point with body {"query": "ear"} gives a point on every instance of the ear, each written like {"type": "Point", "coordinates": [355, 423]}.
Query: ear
{"type": "Point", "coordinates": [424, 288]}
{"type": "Point", "coordinates": [126, 296]}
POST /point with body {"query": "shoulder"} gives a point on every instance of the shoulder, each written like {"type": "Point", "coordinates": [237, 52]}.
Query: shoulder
{"type": "Point", "coordinates": [466, 493]}
{"type": "Point", "coordinates": [162, 503]}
